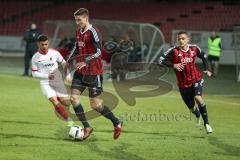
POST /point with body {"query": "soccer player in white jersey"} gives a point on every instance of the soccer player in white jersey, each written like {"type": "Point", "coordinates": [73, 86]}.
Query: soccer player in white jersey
{"type": "Point", "coordinates": [45, 67]}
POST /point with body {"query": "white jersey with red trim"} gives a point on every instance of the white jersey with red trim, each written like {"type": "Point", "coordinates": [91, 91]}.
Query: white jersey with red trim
{"type": "Point", "coordinates": [45, 63]}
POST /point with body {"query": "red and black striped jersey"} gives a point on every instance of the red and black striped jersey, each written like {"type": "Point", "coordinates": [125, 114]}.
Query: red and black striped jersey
{"type": "Point", "coordinates": [190, 74]}
{"type": "Point", "coordinates": [89, 44]}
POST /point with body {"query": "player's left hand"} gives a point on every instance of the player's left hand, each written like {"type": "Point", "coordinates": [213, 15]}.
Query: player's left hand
{"type": "Point", "coordinates": [208, 73]}
{"type": "Point", "coordinates": [80, 65]}
{"type": "Point", "coordinates": [68, 79]}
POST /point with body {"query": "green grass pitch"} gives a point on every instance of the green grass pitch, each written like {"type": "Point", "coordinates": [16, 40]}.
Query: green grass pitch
{"type": "Point", "coordinates": [29, 128]}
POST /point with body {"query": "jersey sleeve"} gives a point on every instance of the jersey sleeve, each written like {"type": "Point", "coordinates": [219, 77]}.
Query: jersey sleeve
{"type": "Point", "coordinates": [34, 65]}
{"type": "Point", "coordinates": [35, 71]}
{"type": "Point", "coordinates": [166, 58]}
{"type": "Point", "coordinates": [59, 58]}
{"type": "Point", "coordinates": [202, 55]}
{"type": "Point", "coordinates": [95, 39]}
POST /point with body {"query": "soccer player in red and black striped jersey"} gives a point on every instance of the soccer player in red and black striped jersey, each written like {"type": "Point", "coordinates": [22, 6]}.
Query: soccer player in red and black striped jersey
{"type": "Point", "coordinates": [183, 60]}
{"type": "Point", "coordinates": [88, 73]}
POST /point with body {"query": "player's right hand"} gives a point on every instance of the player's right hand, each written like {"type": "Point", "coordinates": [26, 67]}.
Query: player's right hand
{"type": "Point", "coordinates": [208, 73]}
{"type": "Point", "coordinates": [68, 79]}
{"type": "Point", "coordinates": [51, 76]}
{"type": "Point", "coordinates": [80, 65]}
{"type": "Point", "coordinates": [179, 66]}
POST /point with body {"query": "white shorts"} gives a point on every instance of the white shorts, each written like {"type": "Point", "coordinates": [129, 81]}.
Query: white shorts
{"type": "Point", "coordinates": [54, 90]}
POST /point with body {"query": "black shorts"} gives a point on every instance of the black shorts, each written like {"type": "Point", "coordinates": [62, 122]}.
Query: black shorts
{"type": "Point", "coordinates": [213, 58]}
{"type": "Point", "coordinates": [188, 94]}
{"type": "Point", "coordinates": [92, 82]}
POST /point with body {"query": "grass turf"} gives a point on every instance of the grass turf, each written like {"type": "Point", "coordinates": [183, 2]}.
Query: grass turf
{"type": "Point", "coordinates": [155, 128]}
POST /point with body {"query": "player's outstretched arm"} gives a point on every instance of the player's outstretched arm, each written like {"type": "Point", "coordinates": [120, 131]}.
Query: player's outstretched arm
{"type": "Point", "coordinates": [39, 75]}
{"type": "Point", "coordinates": [95, 40]}
{"type": "Point", "coordinates": [35, 71]}
{"type": "Point", "coordinates": [203, 56]}
{"type": "Point", "coordinates": [166, 57]}
{"type": "Point", "coordinates": [208, 73]}
{"type": "Point", "coordinates": [65, 65]}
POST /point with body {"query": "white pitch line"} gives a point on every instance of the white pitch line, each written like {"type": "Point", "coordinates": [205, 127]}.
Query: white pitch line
{"type": "Point", "coordinates": [206, 99]}
{"type": "Point", "coordinates": [223, 102]}
{"type": "Point", "coordinates": [214, 101]}
{"type": "Point", "coordinates": [176, 97]}
{"type": "Point", "coordinates": [226, 95]}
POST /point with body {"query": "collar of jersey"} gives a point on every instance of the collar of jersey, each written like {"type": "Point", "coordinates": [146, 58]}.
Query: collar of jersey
{"type": "Point", "coordinates": [185, 50]}
{"type": "Point", "coordinates": [90, 26]}
{"type": "Point", "coordinates": [42, 52]}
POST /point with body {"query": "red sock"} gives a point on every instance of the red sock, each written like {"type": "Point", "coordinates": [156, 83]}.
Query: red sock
{"type": "Point", "coordinates": [61, 111]}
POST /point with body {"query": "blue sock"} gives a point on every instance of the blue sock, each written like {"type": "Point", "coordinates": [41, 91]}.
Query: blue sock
{"type": "Point", "coordinates": [203, 111]}
{"type": "Point", "coordinates": [106, 112]}
{"type": "Point", "coordinates": [196, 112]}
{"type": "Point", "coordinates": [81, 116]}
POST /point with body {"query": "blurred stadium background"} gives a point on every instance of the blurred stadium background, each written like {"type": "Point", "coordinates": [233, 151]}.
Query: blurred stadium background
{"type": "Point", "coordinates": [120, 19]}
{"type": "Point", "coordinates": [152, 25]}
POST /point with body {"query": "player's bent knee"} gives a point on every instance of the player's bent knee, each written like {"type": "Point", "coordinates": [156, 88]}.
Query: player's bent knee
{"type": "Point", "coordinates": [74, 100]}
{"type": "Point", "coordinates": [190, 104]}
{"type": "Point", "coordinates": [96, 103]}
{"type": "Point", "coordinates": [65, 101]}
{"type": "Point", "coordinates": [54, 101]}
{"type": "Point", "coordinates": [199, 99]}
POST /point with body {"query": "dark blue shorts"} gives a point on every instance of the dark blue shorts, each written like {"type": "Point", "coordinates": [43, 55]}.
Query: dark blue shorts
{"type": "Point", "coordinates": [92, 82]}
{"type": "Point", "coordinates": [188, 94]}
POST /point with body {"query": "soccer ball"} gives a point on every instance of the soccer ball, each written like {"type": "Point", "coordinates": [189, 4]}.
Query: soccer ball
{"type": "Point", "coordinates": [76, 133]}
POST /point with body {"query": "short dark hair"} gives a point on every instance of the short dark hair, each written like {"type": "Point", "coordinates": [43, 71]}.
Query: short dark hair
{"type": "Point", "coordinates": [81, 11]}
{"type": "Point", "coordinates": [182, 32]}
{"type": "Point", "coordinates": [42, 38]}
